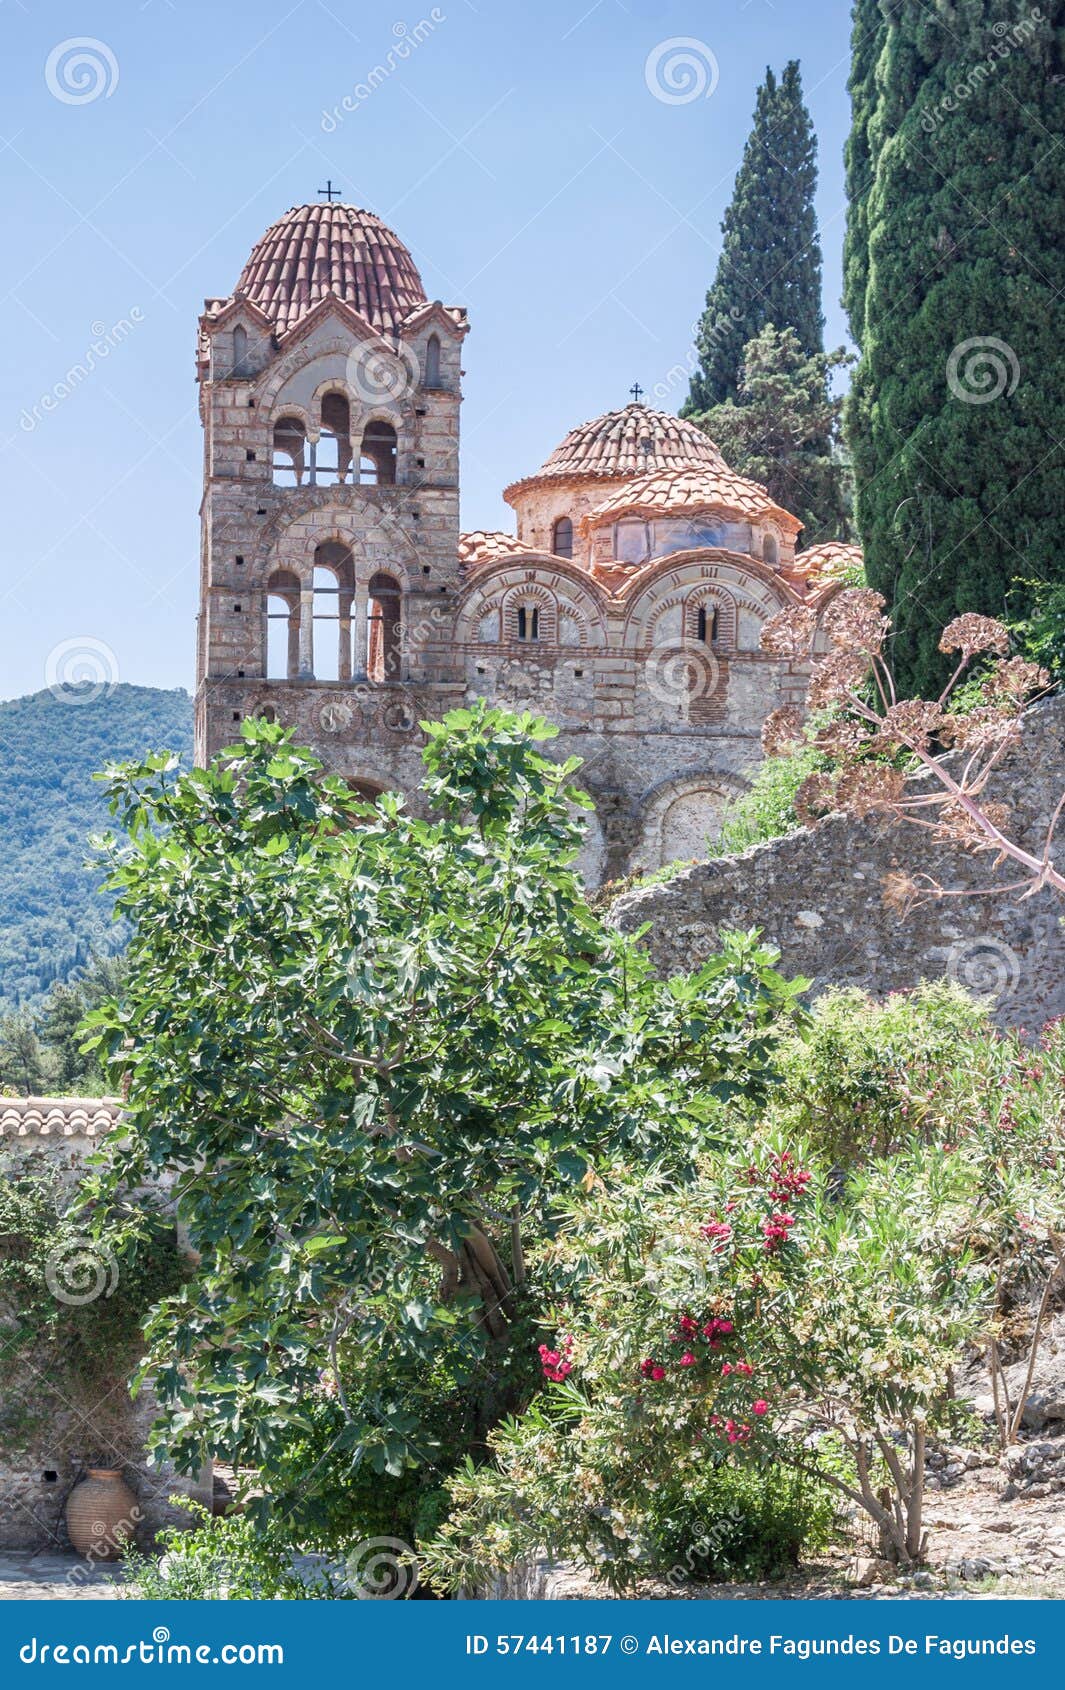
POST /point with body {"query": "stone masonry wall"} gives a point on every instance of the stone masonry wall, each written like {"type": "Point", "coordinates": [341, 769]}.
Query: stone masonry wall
{"type": "Point", "coordinates": [41, 1463]}
{"type": "Point", "coordinates": [818, 895]}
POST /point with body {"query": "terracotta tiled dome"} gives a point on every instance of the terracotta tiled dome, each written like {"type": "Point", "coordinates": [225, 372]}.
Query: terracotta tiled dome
{"type": "Point", "coordinates": [688, 489]}
{"type": "Point", "coordinates": [626, 443]}
{"type": "Point", "coordinates": [315, 250]}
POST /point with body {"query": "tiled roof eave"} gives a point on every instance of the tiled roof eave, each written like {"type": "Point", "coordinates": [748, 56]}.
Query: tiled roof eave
{"type": "Point", "coordinates": [58, 1117]}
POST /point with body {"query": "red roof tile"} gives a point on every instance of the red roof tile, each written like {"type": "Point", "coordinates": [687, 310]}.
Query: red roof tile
{"type": "Point", "coordinates": [686, 490]}
{"type": "Point", "coordinates": [316, 250]}
{"type": "Point", "coordinates": [634, 441]}
{"type": "Point", "coordinates": [483, 545]}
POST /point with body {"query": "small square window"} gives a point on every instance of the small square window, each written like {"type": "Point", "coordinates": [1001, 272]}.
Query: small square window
{"type": "Point", "coordinates": [249, 456]}
{"type": "Point", "coordinates": [236, 607]}
{"type": "Point", "coordinates": [239, 561]}
{"type": "Point", "coordinates": [236, 715]}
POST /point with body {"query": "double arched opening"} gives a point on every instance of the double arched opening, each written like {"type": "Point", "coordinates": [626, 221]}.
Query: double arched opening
{"type": "Point", "coordinates": [330, 460]}
{"type": "Point", "coordinates": [331, 628]}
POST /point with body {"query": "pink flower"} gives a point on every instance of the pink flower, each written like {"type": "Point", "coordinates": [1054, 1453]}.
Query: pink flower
{"type": "Point", "coordinates": [760, 1407]}
{"type": "Point", "coordinates": [687, 1359]}
{"type": "Point", "coordinates": [556, 1363]}
{"type": "Point", "coordinates": [718, 1231]}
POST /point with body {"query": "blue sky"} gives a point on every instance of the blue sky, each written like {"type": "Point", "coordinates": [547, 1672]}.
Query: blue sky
{"type": "Point", "coordinates": [518, 150]}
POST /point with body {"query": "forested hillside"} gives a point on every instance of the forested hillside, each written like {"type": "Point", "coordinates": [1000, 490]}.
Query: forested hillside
{"type": "Point", "coordinates": [51, 913]}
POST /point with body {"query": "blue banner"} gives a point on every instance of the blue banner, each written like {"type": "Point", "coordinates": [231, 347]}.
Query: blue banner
{"type": "Point", "coordinates": [557, 1643]}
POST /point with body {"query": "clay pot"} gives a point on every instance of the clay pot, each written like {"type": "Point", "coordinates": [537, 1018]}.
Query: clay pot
{"type": "Point", "coordinates": [102, 1513]}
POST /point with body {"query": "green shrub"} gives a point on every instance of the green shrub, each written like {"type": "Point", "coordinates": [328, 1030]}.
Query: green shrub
{"type": "Point", "coordinates": [735, 1522]}
{"type": "Point", "coordinates": [221, 1560]}
{"type": "Point", "coordinates": [1041, 638]}
{"type": "Point", "coordinates": [864, 1075]}
{"type": "Point", "coordinates": [767, 809]}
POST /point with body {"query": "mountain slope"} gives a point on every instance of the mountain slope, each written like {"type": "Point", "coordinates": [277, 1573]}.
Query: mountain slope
{"type": "Point", "coordinates": [51, 913]}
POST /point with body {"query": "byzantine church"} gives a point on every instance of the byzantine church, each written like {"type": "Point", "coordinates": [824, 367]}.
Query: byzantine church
{"type": "Point", "coordinates": [339, 596]}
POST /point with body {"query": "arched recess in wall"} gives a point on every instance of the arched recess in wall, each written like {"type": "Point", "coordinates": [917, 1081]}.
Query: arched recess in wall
{"type": "Point", "coordinates": [432, 361]}
{"type": "Point", "coordinates": [377, 454]}
{"type": "Point", "coordinates": [333, 596]}
{"type": "Point", "coordinates": [571, 611]}
{"type": "Point", "coordinates": [240, 351]}
{"type": "Point", "coordinates": [281, 640]}
{"type": "Point", "coordinates": [384, 659]}
{"type": "Point", "coordinates": [682, 815]}
{"type": "Point", "coordinates": [333, 452]}
{"type": "Point", "coordinates": [290, 451]}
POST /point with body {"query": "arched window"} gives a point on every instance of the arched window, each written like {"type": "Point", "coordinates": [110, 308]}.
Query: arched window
{"type": "Point", "coordinates": [432, 361]}
{"type": "Point", "coordinates": [290, 452]}
{"type": "Point", "coordinates": [333, 454]}
{"type": "Point", "coordinates": [334, 582]}
{"type": "Point", "coordinates": [528, 622]}
{"type": "Point", "coordinates": [770, 549]}
{"type": "Point", "coordinates": [240, 351]}
{"type": "Point", "coordinates": [383, 641]}
{"type": "Point", "coordinates": [706, 623]}
{"type": "Point", "coordinates": [377, 455]}
{"type": "Point", "coordinates": [562, 537]}
{"type": "Point", "coordinates": [282, 626]}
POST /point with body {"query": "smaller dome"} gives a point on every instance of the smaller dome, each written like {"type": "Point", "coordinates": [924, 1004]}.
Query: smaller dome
{"type": "Point", "coordinates": [684, 491]}
{"type": "Point", "coordinates": [622, 444]}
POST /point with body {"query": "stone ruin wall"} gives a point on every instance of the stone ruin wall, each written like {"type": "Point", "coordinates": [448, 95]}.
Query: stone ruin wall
{"type": "Point", "coordinates": [37, 1478]}
{"type": "Point", "coordinates": [818, 894]}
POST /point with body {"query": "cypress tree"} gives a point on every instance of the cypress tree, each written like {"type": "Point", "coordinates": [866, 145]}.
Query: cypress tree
{"type": "Point", "coordinates": [956, 269]}
{"type": "Point", "coordinates": [770, 265]}
{"type": "Point", "coordinates": [782, 431]}
{"type": "Point", "coordinates": [868, 34]}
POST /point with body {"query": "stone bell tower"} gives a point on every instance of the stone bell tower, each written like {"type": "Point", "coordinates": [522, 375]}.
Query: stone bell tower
{"type": "Point", "coordinates": [329, 394]}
